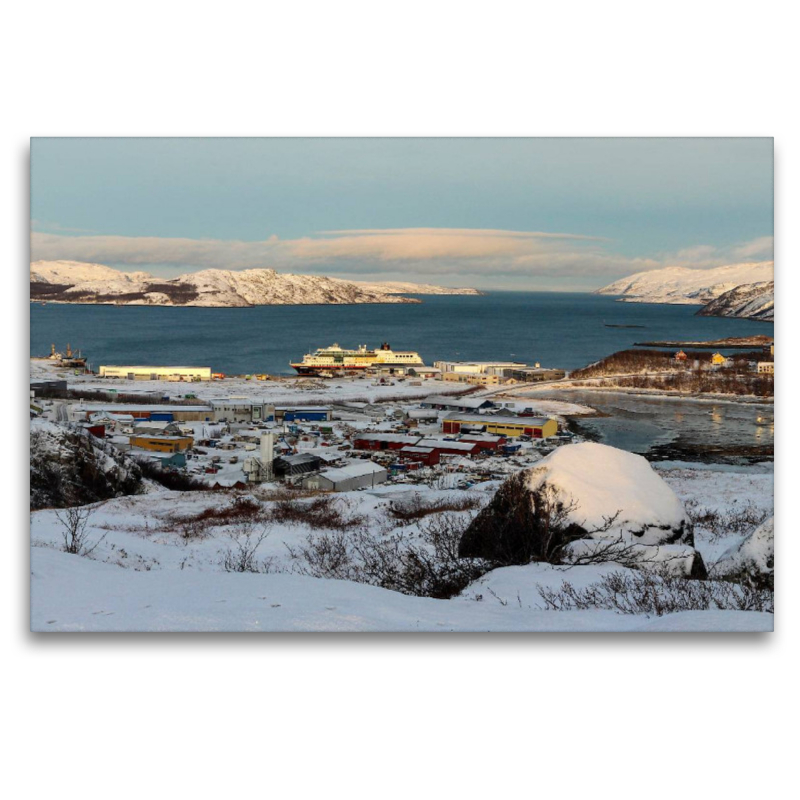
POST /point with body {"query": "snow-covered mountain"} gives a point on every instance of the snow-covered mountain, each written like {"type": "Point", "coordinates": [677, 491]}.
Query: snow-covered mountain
{"type": "Point", "coordinates": [751, 300]}
{"type": "Point", "coordinates": [403, 287]}
{"type": "Point", "coordinates": [77, 282]}
{"type": "Point", "coordinates": [681, 285]}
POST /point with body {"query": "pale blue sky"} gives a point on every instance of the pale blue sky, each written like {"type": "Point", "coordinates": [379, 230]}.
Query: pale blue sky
{"type": "Point", "coordinates": [174, 205]}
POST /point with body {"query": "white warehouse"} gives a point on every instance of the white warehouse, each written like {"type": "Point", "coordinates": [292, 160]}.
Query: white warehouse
{"type": "Point", "coordinates": [140, 373]}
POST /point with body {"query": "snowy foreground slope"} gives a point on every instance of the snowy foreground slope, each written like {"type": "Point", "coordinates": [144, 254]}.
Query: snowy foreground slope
{"type": "Point", "coordinates": [681, 285]}
{"type": "Point", "coordinates": [69, 593]}
{"type": "Point", "coordinates": [144, 577]}
{"type": "Point", "coordinates": [78, 282]}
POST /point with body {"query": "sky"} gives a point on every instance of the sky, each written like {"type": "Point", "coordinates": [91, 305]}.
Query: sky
{"type": "Point", "coordinates": [518, 214]}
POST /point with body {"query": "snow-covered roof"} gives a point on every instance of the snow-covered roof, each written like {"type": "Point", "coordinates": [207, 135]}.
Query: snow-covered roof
{"type": "Point", "coordinates": [457, 402]}
{"type": "Point", "coordinates": [354, 469]}
{"type": "Point", "coordinates": [448, 444]}
{"type": "Point", "coordinates": [418, 450]}
{"type": "Point", "coordinates": [386, 437]}
{"type": "Point", "coordinates": [502, 419]}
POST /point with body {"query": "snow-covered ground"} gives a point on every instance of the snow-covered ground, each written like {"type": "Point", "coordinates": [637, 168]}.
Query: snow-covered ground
{"type": "Point", "coordinates": [144, 576]}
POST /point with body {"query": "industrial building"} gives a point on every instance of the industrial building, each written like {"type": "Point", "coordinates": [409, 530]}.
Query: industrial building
{"type": "Point", "coordinates": [477, 367]}
{"type": "Point", "coordinates": [355, 475]}
{"type": "Point", "coordinates": [48, 387]}
{"type": "Point", "coordinates": [473, 378]}
{"type": "Point", "coordinates": [140, 373]}
{"type": "Point", "coordinates": [295, 465]}
{"type": "Point", "coordinates": [423, 455]}
{"type": "Point", "coordinates": [238, 409]}
{"type": "Point", "coordinates": [303, 414]}
{"type": "Point", "coordinates": [534, 374]}
{"type": "Point", "coordinates": [166, 413]}
{"type": "Point", "coordinates": [456, 403]}
{"type": "Point", "coordinates": [487, 441]}
{"type": "Point", "coordinates": [501, 425]}
{"type": "Point", "coordinates": [451, 447]}
{"type": "Point", "coordinates": [162, 444]}
{"type": "Point", "coordinates": [383, 441]}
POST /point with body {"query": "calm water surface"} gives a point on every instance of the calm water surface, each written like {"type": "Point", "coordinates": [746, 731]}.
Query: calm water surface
{"type": "Point", "coordinates": [564, 330]}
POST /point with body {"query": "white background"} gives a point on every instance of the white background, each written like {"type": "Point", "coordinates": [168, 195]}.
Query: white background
{"type": "Point", "coordinates": [383, 716]}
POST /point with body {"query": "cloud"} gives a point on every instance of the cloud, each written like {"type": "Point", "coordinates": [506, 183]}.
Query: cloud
{"type": "Point", "coordinates": [413, 251]}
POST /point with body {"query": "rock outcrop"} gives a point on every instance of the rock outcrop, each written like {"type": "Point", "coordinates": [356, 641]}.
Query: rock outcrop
{"type": "Point", "coordinates": [585, 503]}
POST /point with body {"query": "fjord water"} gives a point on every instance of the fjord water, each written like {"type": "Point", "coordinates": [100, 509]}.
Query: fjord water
{"type": "Point", "coordinates": [566, 330]}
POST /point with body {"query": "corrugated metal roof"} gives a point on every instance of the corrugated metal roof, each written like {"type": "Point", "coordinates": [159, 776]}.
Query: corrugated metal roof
{"type": "Point", "coordinates": [355, 469]}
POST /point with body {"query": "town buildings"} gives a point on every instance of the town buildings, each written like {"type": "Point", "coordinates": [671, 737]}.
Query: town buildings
{"type": "Point", "coordinates": [145, 373]}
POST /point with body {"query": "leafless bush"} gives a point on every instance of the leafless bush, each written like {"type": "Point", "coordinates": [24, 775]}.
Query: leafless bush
{"type": "Point", "coordinates": [424, 565]}
{"type": "Point", "coordinates": [322, 512]}
{"type": "Point", "coordinates": [657, 594]}
{"type": "Point", "coordinates": [241, 554]}
{"type": "Point", "coordinates": [74, 523]}
{"type": "Point", "coordinates": [521, 525]}
{"type": "Point", "coordinates": [719, 524]}
{"type": "Point", "coordinates": [417, 506]}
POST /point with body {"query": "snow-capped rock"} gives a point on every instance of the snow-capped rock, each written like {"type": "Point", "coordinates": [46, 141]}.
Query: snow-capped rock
{"type": "Point", "coordinates": [751, 300]}
{"type": "Point", "coordinates": [681, 285]}
{"type": "Point", "coordinates": [753, 560]}
{"type": "Point", "coordinates": [76, 282]}
{"type": "Point", "coordinates": [585, 501]}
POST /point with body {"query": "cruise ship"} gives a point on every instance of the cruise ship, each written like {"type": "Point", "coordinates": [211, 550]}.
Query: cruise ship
{"type": "Point", "coordinates": [336, 360]}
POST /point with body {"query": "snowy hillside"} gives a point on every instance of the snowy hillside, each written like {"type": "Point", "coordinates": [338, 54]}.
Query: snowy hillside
{"type": "Point", "coordinates": [404, 287]}
{"type": "Point", "coordinates": [752, 300]}
{"type": "Point", "coordinates": [70, 273]}
{"type": "Point", "coordinates": [76, 282]}
{"type": "Point", "coordinates": [681, 285]}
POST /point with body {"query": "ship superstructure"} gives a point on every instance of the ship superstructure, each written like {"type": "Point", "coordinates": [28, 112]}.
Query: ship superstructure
{"type": "Point", "coordinates": [338, 360]}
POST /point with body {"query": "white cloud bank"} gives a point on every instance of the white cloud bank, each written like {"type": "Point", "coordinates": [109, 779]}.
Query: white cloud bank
{"type": "Point", "coordinates": [428, 252]}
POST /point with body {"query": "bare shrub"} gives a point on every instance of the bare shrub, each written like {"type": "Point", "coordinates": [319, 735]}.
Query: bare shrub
{"type": "Point", "coordinates": [323, 511]}
{"type": "Point", "coordinates": [424, 565]}
{"type": "Point", "coordinates": [657, 594]}
{"type": "Point", "coordinates": [417, 506]}
{"type": "Point", "coordinates": [174, 479]}
{"type": "Point", "coordinates": [522, 525]}
{"type": "Point", "coordinates": [241, 554]}
{"type": "Point", "coordinates": [74, 523]}
{"type": "Point", "coordinates": [720, 524]}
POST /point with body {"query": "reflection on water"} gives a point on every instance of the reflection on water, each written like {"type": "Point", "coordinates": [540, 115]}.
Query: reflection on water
{"type": "Point", "coordinates": [651, 425]}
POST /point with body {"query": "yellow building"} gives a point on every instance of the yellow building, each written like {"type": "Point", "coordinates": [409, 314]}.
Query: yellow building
{"type": "Point", "coordinates": [718, 359]}
{"type": "Point", "coordinates": [766, 368]}
{"type": "Point", "coordinates": [535, 427]}
{"type": "Point", "coordinates": [162, 444]}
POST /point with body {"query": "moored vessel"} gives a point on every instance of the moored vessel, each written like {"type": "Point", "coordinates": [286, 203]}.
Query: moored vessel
{"type": "Point", "coordinates": [339, 360]}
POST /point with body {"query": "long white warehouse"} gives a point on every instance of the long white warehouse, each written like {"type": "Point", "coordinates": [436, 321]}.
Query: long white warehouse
{"type": "Point", "coordinates": [157, 373]}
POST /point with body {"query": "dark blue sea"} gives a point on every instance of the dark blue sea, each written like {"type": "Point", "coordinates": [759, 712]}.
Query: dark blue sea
{"type": "Point", "coordinates": [566, 330]}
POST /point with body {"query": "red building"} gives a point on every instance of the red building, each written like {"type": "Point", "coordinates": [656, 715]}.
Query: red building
{"type": "Point", "coordinates": [486, 440]}
{"type": "Point", "coordinates": [383, 441]}
{"type": "Point", "coordinates": [422, 455]}
{"type": "Point", "coordinates": [448, 447]}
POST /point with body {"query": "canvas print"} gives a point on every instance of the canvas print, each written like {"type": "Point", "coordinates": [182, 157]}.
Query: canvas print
{"type": "Point", "coordinates": [401, 385]}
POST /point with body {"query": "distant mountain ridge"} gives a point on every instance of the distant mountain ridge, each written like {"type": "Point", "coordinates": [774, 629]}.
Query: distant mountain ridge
{"type": "Point", "coordinates": [682, 285]}
{"type": "Point", "coordinates": [751, 300]}
{"type": "Point", "coordinates": [79, 282]}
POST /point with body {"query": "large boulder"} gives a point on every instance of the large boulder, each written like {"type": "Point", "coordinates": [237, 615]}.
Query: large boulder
{"type": "Point", "coordinates": [585, 503]}
{"type": "Point", "coordinates": [753, 560]}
